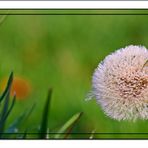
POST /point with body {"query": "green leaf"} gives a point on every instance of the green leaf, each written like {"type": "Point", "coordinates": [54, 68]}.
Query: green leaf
{"type": "Point", "coordinates": [44, 123]}
{"type": "Point", "coordinates": [7, 87]}
{"type": "Point", "coordinates": [15, 125]}
{"type": "Point", "coordinates": [69, 125]}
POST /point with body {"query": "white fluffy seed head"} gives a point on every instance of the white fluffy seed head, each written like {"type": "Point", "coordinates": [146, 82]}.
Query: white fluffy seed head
{"type": "Point", "coordinates": [120, 83]}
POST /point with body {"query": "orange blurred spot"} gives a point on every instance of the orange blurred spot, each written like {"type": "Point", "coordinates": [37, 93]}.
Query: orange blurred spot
{"type": "Point", "coordinates": [20, 86]}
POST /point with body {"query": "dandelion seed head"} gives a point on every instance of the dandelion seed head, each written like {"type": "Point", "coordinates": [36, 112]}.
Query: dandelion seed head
{"type": "Point", "coordinates": [120, 84]}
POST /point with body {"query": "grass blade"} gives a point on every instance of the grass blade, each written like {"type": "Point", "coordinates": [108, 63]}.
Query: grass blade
{"type": "Point", "coordinates": [3, 18]}
{"type": "Point", "coordinates": [8, 112]}
{"type": "Point", "coordinates": [7, 87]}
{"type": "Point", "coordinates": [44, 122]}
{"type": "Point", "coordinates": [22, 136]}
{"type": "Point", "coordinates": [92, 134]}
{"type": "Point", "coordinates": [25, 134]}
{"type": "Point", "coordinates": [5, 114]}
{"type": "Point", "coordinates": [5, 111]}
{"type": "Point", "coordinates": [68, 126]}
{"type": "Point", "coordinates": [14, 126]}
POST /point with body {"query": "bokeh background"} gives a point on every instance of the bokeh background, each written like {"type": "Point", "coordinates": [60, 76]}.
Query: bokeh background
{"type": "Point", "coordinates": [61, 49]}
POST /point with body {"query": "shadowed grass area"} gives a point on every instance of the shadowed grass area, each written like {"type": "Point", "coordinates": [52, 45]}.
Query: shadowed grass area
{"type": "Point", "coordinates": [62, 51]}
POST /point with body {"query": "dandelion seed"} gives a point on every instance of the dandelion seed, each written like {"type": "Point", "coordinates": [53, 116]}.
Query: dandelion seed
{"type": "Point", "coordinates": [120, 85]}
{"type": "Point", "coordinates": [89, 96]}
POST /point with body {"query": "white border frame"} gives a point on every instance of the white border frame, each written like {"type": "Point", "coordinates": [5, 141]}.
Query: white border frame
{"type": "Point", "coordinates": [73, 144]}
{"type": "Point", "coordinates": [73, 4]}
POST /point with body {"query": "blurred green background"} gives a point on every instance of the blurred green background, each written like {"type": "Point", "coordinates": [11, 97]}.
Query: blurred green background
{"type": "Point", "coordinates": [61, 49]}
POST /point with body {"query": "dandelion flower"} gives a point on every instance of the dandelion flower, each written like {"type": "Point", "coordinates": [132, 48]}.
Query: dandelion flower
{"type": "Point", "coordinates": [120, 84]}
{"type": "Point", "coordinates": [20, 86]}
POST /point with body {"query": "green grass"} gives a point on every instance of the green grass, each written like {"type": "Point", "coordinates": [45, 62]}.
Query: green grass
{"type": "Point", "coordinates": [61, 52]}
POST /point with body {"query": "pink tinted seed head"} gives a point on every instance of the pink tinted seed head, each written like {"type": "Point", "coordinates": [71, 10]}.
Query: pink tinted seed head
{"type": "Point", "coordinates": [120, 83]}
